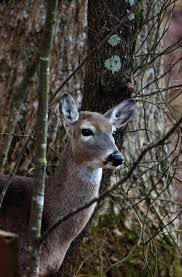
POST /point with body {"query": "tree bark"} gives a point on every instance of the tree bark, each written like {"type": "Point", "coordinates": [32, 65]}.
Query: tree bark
{"type": "Point", "coordinates": [15, 56]}
{"type": "Point", "coordinates": [108, 71]}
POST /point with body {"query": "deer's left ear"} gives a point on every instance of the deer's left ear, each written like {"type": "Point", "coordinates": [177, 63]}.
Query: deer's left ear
{"type": "Point", "coordinates": [122, 113]}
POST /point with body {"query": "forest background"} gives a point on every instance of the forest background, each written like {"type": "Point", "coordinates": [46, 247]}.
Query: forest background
{"type": "Point", "coordinates": [102, 53]}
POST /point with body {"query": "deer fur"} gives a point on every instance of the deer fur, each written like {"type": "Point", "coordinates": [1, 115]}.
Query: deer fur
{"type": "Point", "coordinates": [75, 183]}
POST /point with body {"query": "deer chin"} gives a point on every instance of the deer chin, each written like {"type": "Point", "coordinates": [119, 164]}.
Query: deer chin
{"type": "Point", "coordinates": [95, 164]}
{"type": "Point", "coordinates": [109, 165]}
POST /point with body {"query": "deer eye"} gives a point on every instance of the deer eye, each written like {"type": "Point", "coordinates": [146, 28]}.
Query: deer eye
{"type": "Point", "coordinates": [114, 134]}
{"type": "Point", "coordinates": [87, 132]}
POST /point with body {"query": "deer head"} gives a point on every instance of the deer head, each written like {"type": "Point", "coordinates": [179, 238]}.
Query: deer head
{"type": "Point", "coordinates": [91, 134]}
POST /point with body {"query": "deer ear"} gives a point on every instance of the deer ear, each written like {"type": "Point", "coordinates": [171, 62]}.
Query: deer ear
{"type": "Point", "coordinates": [122, 113]}
{"type": "Point", "coordinates": [68, 110]}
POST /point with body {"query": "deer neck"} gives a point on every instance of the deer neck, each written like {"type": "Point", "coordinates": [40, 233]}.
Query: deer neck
{"type": "Point", "coordinates": [73, 183]}
{"type": "Point", "coordinates": [69, 169]}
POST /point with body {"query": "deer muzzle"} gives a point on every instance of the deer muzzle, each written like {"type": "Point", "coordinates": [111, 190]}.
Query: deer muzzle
{"type": "Point", "coordinates": [115, 158]}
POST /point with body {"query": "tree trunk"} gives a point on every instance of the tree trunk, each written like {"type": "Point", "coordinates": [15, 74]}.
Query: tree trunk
{"type": "Point", "coordinates": [108, 71]}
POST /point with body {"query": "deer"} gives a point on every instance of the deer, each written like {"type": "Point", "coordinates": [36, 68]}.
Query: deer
{"type": "Point", "coordinates": [91, 148]}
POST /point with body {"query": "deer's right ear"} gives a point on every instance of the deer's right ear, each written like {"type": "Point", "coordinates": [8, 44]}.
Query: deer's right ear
{"type": "Point", "coordinates": [122, 113]}
{"type": "Point", "coordinates": [68, 110]}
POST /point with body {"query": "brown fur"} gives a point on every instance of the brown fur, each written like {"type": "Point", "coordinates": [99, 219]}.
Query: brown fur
{"type": "Point", "coordinates": [73, 185]}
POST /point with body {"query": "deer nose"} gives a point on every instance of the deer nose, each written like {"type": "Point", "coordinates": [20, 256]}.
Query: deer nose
{"type": "Point", "coordinates": [115, 158]}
